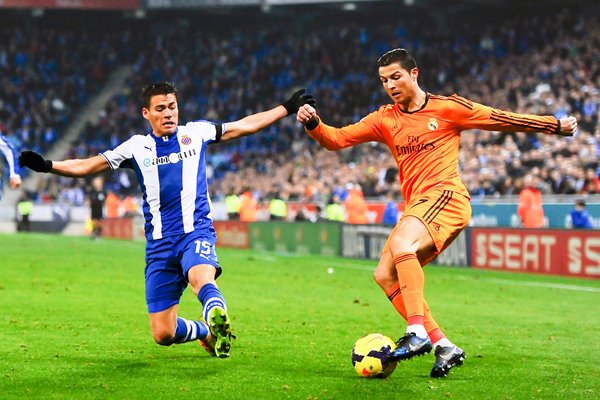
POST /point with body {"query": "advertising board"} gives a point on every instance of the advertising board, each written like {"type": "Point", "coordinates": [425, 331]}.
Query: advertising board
{"type": "Point", "coordinates": [547, 251]}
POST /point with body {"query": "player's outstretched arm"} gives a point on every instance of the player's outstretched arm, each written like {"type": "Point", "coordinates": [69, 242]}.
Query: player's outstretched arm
{"type": "Point", "coordinates": [255, 122]}
{"type": "Point", "coordinates": [73, 168]}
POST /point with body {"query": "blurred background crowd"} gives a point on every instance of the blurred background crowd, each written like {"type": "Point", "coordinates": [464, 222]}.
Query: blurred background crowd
{"type": "Point", "coordinates": [228, 66]}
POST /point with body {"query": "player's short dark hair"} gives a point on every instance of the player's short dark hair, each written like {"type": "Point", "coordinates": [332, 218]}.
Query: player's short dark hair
{"type": "Point", "coordinates": [157, 88]}
{"type": "Point", "coordinates": [400, 56]}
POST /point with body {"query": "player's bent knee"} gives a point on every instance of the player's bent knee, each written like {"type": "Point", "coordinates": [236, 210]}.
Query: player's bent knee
{"type": "Point", "coordinates": [378, 276]}
{"type": "Point", "coordinates": [382, 277]}
{"type": "Point", "coordinates": [163, 337]}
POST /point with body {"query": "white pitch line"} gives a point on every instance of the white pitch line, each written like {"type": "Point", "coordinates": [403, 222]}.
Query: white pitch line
{"type": "Point", "coordinates": [547, 285]}
{"type": "Point", "coordinates": [370, 268]}
{"type": "Point", "coordinates": [544, 285]}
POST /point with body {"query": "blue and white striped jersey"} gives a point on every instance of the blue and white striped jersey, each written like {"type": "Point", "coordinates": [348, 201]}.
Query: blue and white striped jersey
{"type": "Point", "coordinates": [171, 171]}
{"type": "Point", "coordinates": [11, 156]}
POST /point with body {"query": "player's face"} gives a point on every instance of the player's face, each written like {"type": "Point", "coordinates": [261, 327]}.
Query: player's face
{"type": "Point", "coordinates": [97, 183]}
{"type": "Point", "coordinates": [162, 114]}
{"type": "Point", "coordinates": [399, 83]}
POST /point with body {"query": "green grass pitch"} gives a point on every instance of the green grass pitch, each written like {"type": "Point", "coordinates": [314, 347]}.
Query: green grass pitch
{"type": "Point", "coordinates": [73, 325]}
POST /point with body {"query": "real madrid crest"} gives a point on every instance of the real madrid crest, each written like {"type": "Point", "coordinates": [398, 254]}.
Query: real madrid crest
{"type": "Point", "coordinates": [432, 124]}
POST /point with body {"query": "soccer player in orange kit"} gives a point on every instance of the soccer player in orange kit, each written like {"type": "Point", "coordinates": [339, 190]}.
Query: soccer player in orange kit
{"type": "Point", "coordinates": [422, 130]}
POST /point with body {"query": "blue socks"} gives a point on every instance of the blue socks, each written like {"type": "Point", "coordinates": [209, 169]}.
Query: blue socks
{"type": "Point", "coordinates": [188, 331]}
{"type": "Point", "coordinates": [210, 296]}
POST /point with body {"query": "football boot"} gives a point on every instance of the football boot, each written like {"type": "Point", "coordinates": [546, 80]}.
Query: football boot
{"type": "Point", "coordinates": [220, 331]}
{"type": "Point", "coordinates": [445, 359]}
{"type": "Point", "coordinates": [409, 346]}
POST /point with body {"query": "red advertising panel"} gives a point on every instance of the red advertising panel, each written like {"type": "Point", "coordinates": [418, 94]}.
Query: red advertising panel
{"type": "Point", "coordinates": [80, 4]}
{"type": "Point", "coordinates": [232, 234]}
{"type": "Point", "coordinates": [556, 252]}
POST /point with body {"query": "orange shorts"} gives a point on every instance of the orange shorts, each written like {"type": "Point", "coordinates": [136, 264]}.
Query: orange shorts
{"type": "Point", "coordinates": [444, 212]}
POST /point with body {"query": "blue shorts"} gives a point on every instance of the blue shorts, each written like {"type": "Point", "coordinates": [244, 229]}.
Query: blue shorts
{"type": "Point", "coordinates": [168, 261]}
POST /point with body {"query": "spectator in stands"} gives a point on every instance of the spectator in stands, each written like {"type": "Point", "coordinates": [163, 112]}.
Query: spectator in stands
{"type": "Point", "coordinates": [592, 182]}
{"type": "Point", "coordinates": [51, 72]}
{"type": "Point", "coordinates": [530, 208]}
{"type": "Point", "coordinates": [580, 217]}
{"type": "Point", "coordinates": [36, 106]}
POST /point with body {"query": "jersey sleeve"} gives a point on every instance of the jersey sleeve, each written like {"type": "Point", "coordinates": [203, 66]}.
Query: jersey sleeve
{"type": "Point", "coordinates": [365, 130]}
{"type": "Point", "coordinates": [471, 115]}
{"type": "Point", "coordinates": [11, 156]}
{"type": "Point", "coordinates": [208, 131]}
{"type": "Point", "coordinates": [121, 155]}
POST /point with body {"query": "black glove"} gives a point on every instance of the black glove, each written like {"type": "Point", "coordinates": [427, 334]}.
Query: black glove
{"type": "Point", "coordinates": [297, 100]}
{"type": "Point", "coordinates": [34, 161]}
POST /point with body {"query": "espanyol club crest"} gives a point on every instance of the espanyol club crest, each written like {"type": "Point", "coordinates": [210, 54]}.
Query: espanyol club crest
{"type": "Point", "coordinates": [186, 140]}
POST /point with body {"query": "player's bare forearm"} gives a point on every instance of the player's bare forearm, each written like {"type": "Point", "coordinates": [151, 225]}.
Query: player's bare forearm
{"type": "Point", "coordinates": [253, 123]}
{"type": "Point", "coordinates": [80, 168]}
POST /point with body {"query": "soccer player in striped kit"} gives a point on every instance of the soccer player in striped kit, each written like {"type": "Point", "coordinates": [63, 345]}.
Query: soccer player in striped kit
{"type": "Point", "coordinates": [14, 177]}
{"type": "Point", "coordinates": [422, 131]}
{"type": "Point", "coordinates": [171, 168]}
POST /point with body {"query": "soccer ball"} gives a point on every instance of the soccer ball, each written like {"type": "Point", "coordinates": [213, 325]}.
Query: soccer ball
{"type": "Point", "coordinates": [371, 356]}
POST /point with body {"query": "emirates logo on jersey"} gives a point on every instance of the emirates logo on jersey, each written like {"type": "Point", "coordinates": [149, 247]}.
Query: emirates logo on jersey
{"type": "Point", "coordinates": [413, 146]}
{"type": "Point", "coordinates": [432, 124]}
{"type": "Point", "coordinates": [186, 140]}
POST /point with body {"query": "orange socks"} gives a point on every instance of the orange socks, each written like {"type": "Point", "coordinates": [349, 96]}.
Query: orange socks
{"type": "Point", "coordinates": [412, 282]}
{"type": "Point", "coordinates": [395, 297]}
{"type": "Point", "coordinates": [433, 330]}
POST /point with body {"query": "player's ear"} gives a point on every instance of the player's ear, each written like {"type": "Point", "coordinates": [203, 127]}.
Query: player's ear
{"type": "Point", "coordinates": [145, 113]}
{"type": "Point", "coordinates": [414, 73]}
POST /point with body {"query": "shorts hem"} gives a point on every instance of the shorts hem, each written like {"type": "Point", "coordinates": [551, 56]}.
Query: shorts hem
{"type": "Point", "coordinates": [161, 305]}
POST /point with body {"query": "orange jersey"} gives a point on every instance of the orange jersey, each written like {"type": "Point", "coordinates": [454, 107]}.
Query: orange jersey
{"type": "Point", "coordinates": [425, 142]}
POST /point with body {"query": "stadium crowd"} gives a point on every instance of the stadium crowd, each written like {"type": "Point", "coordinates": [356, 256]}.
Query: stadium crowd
{"type": "Point", "coordinates": [546, 64]}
